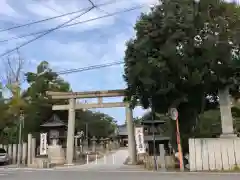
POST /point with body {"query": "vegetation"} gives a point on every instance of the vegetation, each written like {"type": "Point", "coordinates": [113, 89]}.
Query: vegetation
{"type": "Point", "coordinates": [184, 54]}
{"type": "Point", "coordinates": [37, 108]}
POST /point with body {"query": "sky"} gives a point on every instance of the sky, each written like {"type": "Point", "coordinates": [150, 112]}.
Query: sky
{"type": "Point", "coordinates": [95, 42]}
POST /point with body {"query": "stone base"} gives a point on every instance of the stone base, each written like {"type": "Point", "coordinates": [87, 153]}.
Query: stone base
{"type": "Point", "coordinates": [40, 163]}
{"type": "Point", "coordinates": [56, 154]}
{"type": "Point", "coordinates": [68, 164]}
{"type": "Point", "coordinates": [228, 135]}
{"type": "Point", "coordinates": [169, 160]}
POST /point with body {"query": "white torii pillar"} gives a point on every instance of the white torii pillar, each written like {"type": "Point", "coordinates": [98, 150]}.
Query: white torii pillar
{"type": "Point", "coordinates": [70, 131]}
{"type": "Point", "coordinates": [131, 136]}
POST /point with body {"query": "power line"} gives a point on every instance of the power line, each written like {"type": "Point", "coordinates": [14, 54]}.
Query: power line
{"type": "Point", "coordinates": [55, 17]}
{"type": "Point", "coordinates": [43, 34]}
{"type": "Point", "coordinates": [99, 66]}
{"type": "Point", "coordinates": [73, 24]}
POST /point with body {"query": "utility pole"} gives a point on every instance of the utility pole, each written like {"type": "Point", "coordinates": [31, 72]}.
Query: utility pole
{"type": "Point", "coordinates": [21, 123]}
{"type": "Point", "coordinates": [154, 138]}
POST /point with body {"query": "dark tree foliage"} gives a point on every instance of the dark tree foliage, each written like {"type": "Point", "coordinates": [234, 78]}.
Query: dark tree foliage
{"type": "Point", "coordinates": [184, 51]}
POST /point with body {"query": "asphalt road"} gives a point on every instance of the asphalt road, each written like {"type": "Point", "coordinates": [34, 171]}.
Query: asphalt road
{"type": "Point", "coordinates": [110, 175]}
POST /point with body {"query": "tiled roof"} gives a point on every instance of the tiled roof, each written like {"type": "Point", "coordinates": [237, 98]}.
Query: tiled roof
{"type": "Point", "coordinates": [54, 121]}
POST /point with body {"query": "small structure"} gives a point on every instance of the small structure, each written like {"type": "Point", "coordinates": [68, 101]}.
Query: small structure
{"type": "Point", "coordinates": [56, 130]}
{"type": "Point", "coordinates": [56, 138]}
{"type": "Point", "coordinates": [155, 126]}
{"type": "Point", "coordinates": [122, 135]}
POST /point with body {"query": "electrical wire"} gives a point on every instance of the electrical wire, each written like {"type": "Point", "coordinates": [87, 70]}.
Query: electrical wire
{"type": "Point", "coordinates": [43, 34]}
{"type": "Point", "coordinates": [55, 17]}
{"type": "Point", "coordinates": [77, 23]}
{"type": "Point", "coordinates": [99, 66]}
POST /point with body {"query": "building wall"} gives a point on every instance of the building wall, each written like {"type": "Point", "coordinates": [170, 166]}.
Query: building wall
{"type": "Point", "coordinates": [214, 154]}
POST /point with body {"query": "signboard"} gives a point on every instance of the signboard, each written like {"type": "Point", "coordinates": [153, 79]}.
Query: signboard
{"type": "Point", "coordinates": [174, 113]}
{"type": "Point", "coordinates": [43, 143]}
{"type": "Point", "coordinates": [139, 136]}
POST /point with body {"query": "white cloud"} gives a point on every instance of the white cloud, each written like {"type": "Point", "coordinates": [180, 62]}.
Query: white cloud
{"type": "Point", "coordinates": [53, 8]}
{"type": "Point", "coordinates": [73, 48]}
{"type": "Point", "coordinates": [6, 9]}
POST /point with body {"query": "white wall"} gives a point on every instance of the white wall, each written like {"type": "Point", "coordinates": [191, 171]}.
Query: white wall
{"type": "Point", "coordinates": [214, 154]}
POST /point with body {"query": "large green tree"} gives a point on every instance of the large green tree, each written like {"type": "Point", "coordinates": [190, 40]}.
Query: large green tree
{"type": "Point", "coordinates": [98, 124]}
{"type": "Point", "coordinates": [39, 105]}
{"type": "Point", "coordinates": [184, 52]}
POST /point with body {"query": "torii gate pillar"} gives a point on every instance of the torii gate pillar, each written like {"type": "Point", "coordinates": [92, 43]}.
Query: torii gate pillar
{"type": "Point", "coordinates": [72, 106]}
{"type": "Point", "coordinates": [131, 138]}
{"type": "Point", "coordinates": [70, 131]}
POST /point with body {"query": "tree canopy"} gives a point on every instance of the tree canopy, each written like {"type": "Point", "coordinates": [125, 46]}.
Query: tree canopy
{"type": "Point", "coordinates": [182, 49]}
{"type": "Point", "coordinates": [183, 53]}
{"type": "Point", "coordinates": [38, 108]}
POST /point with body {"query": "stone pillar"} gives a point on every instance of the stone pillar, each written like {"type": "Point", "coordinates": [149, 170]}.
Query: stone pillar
{"type": "Point", "coordinates": [114, 144]}
{"type": "Point", "coordinates": [14, 158]}
{"type": "Point", "coordinates": [5, 147]}
{"type": "Point", "coordinates": [19, 153]}
{"type": "Point", "coordinates": [162, 157]}
{"type": "Point", "coordinates": [24, 153]}
{"type": "Point", "coordinates": [76, 142]}
{"type": "Point", "coordinates": [107, 144]}
{"type": "Point", "coordinates": [29, 151]}
{"type": "Point", "coordinates": [102, 144]}
{"type": "Point", "coordinates": [94, 139]}
{"type": "Point", "coordinates": [70, 132]}
{"type": "Point", "coordinates": [226, 114]}
{"type": "Point", "coordinates": [34, 144]}
{"type": "Point", "coordinates": [131, 137]}
{"type": "Point", "coordinates": [81, 145]}
{"type": "Point", "coordinates": [10, 151]}
{"type": "Point", "coordinates": [111, 144]}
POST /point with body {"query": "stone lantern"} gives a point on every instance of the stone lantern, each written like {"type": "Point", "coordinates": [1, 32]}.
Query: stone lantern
{"type": "Point", "coordinates": [55, 129]}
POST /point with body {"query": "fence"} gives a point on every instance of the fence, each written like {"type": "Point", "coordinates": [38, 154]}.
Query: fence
{"type": "Point", "coordinates": [214, 154]}
{"type": "Point", "coordinates": [27, 152]}
{"type": "Point", "coordinates": [21, 153]}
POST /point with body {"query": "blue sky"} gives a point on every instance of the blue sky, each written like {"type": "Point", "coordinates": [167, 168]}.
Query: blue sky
{"type": "Point", "coordinates": [95, 42]}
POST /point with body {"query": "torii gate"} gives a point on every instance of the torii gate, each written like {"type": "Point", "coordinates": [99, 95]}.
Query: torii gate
{"type": "Point", "coordinates": [72, 106]}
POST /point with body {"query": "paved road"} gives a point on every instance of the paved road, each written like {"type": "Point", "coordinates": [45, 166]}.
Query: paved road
{"type": "Point", "coordinates": [90, 175]}
{"type": "Point", "coordinates": [111, 168]}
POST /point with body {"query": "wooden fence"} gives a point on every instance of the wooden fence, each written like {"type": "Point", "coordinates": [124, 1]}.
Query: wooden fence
{"type": "Point", "coordinates": [214, 154]}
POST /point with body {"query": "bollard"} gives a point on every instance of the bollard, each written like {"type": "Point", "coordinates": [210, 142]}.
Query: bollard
{"type": "Point", "coordinates": [113, 159]}
{"type": "Point", "coordinates": [96, 160]}
{"type": "Point", "coordinates": [87, 159]}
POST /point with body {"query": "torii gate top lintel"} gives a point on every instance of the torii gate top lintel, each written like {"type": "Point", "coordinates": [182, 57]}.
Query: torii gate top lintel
{"type": "Point", "coordinates": [86, 94]}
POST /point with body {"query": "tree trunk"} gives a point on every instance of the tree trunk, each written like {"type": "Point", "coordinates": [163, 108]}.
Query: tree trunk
{"type": "Point", "coordinates": [225, 111]}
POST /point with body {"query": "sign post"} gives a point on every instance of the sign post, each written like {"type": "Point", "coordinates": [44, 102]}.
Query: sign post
{"type": "Point", "coordinates": [43, 143]}
{"type": "Point", "coordinates": [140, 140]}
{"type": "Point", "coordinates": [174, 116]}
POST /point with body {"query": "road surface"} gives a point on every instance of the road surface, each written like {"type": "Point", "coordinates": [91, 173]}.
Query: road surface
{"type": "Point", "coordinates": [110, 162]}
{"type": "Point", "coordinates": [110, 168]}
{"type": "Point", "coordinates": [111, 175]}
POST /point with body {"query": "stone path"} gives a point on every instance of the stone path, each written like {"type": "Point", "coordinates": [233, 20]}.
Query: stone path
{"type": "Point", "coordinates": [113, 161]}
